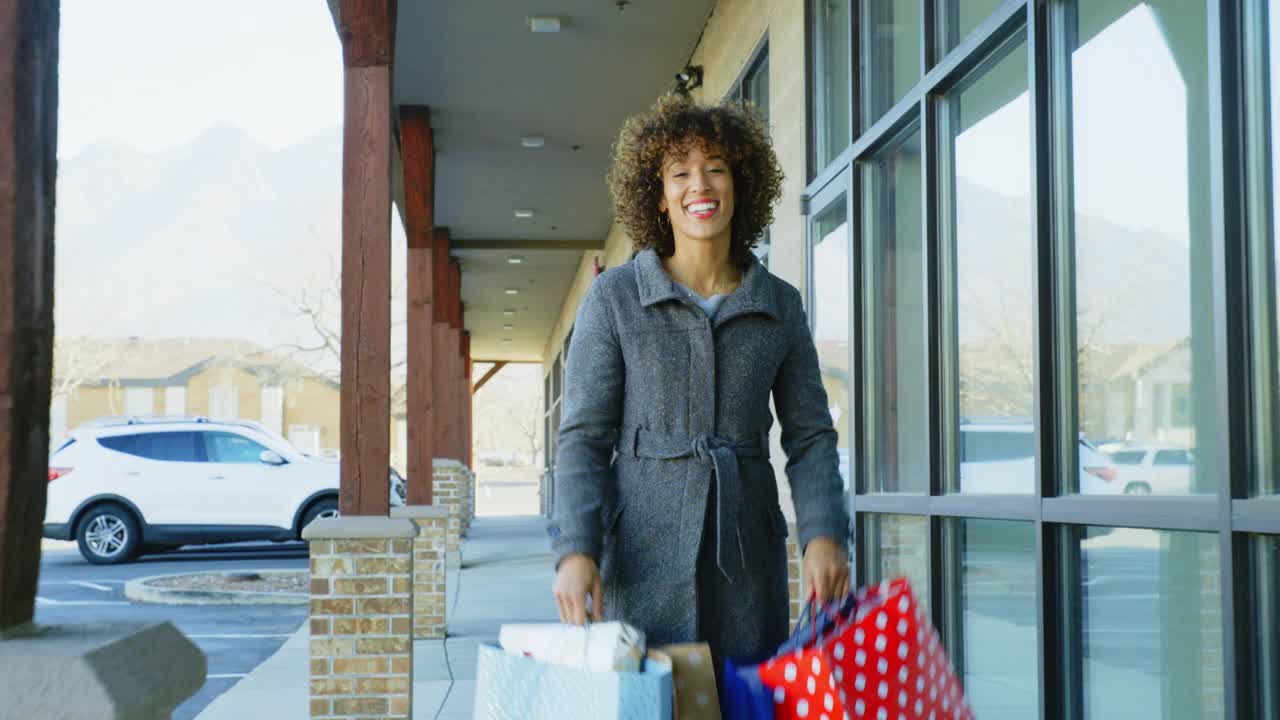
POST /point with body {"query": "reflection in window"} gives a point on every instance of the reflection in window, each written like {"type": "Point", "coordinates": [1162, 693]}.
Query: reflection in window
{"type": "Point", "coordinates": [1140, 99]}
{"type": "Point", "coordinates": [830, 77]}
{"type": "Point", "coordinates": [898, 546]}
{"type": "Point", "coordinates": [891, 43]}
{"type": "Point", "coordinates": [961, 17]}
{"type": "Point", "coordinates": [1146, 617]}
{"type": "Point", "coordinates": [1267, 377]}
{"type": "Point", "coordinates": [996, 616]}
{"type": "Point", "coordinates": [831, 268]}
{"type": "Point", "coordinates": [990, 121]}
{"type": "Point", "coordinates": [1266, 572]}
{"type": "Point", "coordinates": [897, 359]}
{"type": "Point", "coordinates": [224, 447]}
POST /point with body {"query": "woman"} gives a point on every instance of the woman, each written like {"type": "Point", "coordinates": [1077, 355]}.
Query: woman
{"type": "Point", "coordinates": [672, 362]}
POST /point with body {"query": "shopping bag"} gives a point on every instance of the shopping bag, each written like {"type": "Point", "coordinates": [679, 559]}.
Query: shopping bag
{"type": "Point", "coordinates": [887, 659]}
{"type": "Point", "coordinates": [519, 687]}
{"type": "Point", "coordinates": [745, 695]}
{"type": "Point", "coordinates": [694, 678]}
{"type": "Point", "coordinates": [804, 685]}
{"type": "Point", "coordinates": [594, 646]}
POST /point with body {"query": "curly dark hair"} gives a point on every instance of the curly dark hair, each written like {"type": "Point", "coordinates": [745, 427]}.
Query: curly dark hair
{"type": "Point", "coordinates": [676, 125]}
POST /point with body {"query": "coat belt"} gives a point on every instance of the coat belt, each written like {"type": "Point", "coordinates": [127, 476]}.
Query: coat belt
{"type": "Point", "coordinates": [722, 455]}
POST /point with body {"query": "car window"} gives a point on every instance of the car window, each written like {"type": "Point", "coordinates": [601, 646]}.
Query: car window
{"type": "Point", "coordinates": [996, 446]}
{"type": "Point", "coordinates": [1128, 457]}
{"type": "Point", "coordinates": [1172, 457]}
{"type": "Point", "coordinates": [167, 446]}
{"type": "Point", "coordinates": [225, 447]}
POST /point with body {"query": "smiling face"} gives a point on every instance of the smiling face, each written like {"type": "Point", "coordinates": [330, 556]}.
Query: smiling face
{"type": "Point", "coordinates": [697, 194]}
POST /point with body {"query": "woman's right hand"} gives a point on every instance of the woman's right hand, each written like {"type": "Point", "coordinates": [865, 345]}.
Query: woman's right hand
{"type": "Point", "coordinates": [577, 578]}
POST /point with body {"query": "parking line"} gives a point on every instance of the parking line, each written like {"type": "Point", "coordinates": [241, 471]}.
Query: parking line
{"type": "Point", "coordinates": [86, 583]}
{"type": "Point", "coordinates": [47, 601]}
{"type": "Point", "coordinates": [243, 636]}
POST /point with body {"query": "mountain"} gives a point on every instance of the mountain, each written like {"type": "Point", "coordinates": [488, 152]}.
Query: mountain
{"type": "Point", "coordinates": [208, 239]}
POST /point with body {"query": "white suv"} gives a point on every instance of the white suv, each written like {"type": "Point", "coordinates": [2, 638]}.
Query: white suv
{"type": "Point", "coordinates": [124, 486]}
{"type": "Point", "coordinates": [999, 456]}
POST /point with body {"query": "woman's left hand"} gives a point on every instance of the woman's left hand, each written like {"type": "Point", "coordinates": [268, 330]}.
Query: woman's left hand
{"type": "Point", "coordinates": [826, 570]}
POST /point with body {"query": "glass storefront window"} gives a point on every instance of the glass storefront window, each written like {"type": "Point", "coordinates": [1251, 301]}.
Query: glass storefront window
{"type": "Point", "coordinates": [898, 546]}
{"type": "Point", "coordinates": [1141, 226]}
{"type": "Point", "coordinates": [1266, 599]}
{"type": "Point", "coordinates": [990, 123]}
{"type": "Point", "coordinates": [1146, 622]}
{"type": "Point", "coordinates": [830, 70]}
{"type": "Point", "coordinates": [958, 18]}
{"type": "Point", "coordinates": [891, 54]}
{"type": "Point", "coordinates": [830, 267]}
{"type": "Point", "coordinates": [995, 612]}
{"type": "Point", "coordinates": [1264, 136]}
{"type": "Point", "coordinates": [897, 356]}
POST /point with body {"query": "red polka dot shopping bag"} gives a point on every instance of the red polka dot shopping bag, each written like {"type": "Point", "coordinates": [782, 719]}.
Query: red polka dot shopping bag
{"type": "Point", "coordinates": [876, 657]}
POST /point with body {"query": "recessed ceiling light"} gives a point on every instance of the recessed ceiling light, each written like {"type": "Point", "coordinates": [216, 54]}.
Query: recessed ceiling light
{"type": "Point", "coordinates": [509, 312]}
{"type": "Point", "coordinates": [533, 141]}
{"type": "Point", "coordinates": [544, 24]}
{"type": "Point", "coordinates": [513, 291]}
{"type": "Point", "coordinates": [515, 260]}
{"type": "Point", "coordinates": [508, 328]}
{"type": "Point", "coordinates": [524, 214]}
{"type": "Point", "coordinates": [506, 341]}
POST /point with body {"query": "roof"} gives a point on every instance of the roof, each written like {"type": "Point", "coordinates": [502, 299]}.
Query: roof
{"type": "Point", "coordinates": [137, 361]}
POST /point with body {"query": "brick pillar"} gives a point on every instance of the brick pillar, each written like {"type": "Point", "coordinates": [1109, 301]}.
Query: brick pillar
{"type": "Point", "coordinates": [794, 559]}
{"type": "Point", "coordinates": [429, 577]}
{"type": "Point", "coordinates": [361, 628]}
{"type": "Point", "coordinates": [448, 480]}
{"type": "Point", "coordinates": [468, 500]}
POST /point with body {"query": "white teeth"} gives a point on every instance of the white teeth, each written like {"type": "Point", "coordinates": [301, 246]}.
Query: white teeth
{"type": "Point", "coordinates": [702, 206]}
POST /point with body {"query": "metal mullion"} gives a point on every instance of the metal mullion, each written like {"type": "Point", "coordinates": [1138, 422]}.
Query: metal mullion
{"type": "Point", "coordinates": [981, 507]}
{"type": "Point", "coordinates": [1230, 328]}
{"type": "Point", "coordinates": [928, 34]}
{"type": "Point", "coordinates": [1173, 512]}
{"type": "Point", "coordinates": [1256, 515]}
{"type": "Point", "coordinates": [894, 504]}
{"type": "Point", "coordinates": [1049, 153]}
{"type": "Point", "coordinates": [1001, 25]}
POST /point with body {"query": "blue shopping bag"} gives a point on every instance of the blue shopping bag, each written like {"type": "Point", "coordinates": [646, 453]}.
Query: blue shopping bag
{"type": "Point", "coordinates": [517, 687]}
{"type": "Point", "coordinates": [745, 696]}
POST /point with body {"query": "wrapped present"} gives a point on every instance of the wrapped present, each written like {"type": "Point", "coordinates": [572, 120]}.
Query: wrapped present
{"type": "Point", "coordinates": [694, 677]}
{"type": "Point", "coordinates": [512, 686]}
{"type": "Point", "coordinates": [596, 646]}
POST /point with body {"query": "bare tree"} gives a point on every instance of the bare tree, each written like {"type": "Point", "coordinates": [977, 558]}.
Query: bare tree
{"type": "Point", "coordinates": [79, 361]}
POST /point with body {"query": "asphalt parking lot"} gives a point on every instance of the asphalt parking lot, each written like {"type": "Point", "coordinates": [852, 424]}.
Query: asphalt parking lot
{"type": "Point", "coordinates": [235, 638]}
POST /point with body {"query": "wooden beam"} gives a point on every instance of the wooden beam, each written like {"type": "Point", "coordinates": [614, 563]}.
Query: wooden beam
{"type": "Point", "coordinates": [468, 396]}
{"type": "Point", "coordinates": [442, 349]}
{"type": "Point", "coordinates": [367, 29]}
{"type": "Point", "coordinates": [529, 245]}
{"type": "Point", "coordinates": [417, 153]}
{"type": "Point", "coordinates": [366, 288]}
{"type": "Point", "coordinates": [490, 373]}
{"type": "Point", "coordinates": [28, 175]}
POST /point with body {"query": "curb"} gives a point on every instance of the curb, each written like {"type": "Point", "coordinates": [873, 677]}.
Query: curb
{"type": "Point", "coordinates": [139, 591]}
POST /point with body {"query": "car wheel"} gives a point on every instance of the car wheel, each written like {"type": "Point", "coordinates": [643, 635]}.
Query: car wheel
{"type": "Point", "coordinates": [1137, 489]}
{"type": "Point", "coordinates": [326, 508]}
{"type": "Point", "coordinates": [108, 534]}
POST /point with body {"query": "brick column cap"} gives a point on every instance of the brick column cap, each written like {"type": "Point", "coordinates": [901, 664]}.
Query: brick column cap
{"type": "Point", "coordinates": [447, 463]}
{"type": "Point", "coordinates": [420, 511]}
{"type": "Point", "coordinates": [359, 528]}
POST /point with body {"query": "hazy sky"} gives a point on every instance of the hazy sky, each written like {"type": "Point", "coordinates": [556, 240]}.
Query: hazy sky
{"type": "Point", "coordinates": [154, 73]}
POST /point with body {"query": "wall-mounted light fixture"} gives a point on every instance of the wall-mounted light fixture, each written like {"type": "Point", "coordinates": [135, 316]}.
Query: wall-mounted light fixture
{"type": "Point", "coordinates": [688, 78]}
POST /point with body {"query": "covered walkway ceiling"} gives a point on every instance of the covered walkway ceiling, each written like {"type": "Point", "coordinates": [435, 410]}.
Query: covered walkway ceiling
{"type": "Point", "coordinates": [489, 81]}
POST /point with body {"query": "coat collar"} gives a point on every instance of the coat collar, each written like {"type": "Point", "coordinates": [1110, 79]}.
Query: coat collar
{"type": "Point", "coordinates": [755, 294]}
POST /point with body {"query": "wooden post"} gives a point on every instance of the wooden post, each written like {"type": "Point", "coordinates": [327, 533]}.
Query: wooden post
{"type": "Point", "coordinates": [456, 376]}
{"type": "Point", "coordinates": [440, 347]}
{"type": "Point", "coordinates": [28, 173]}
{"type": "Point", "coordinates": [469, 395]}
{"type": "Point", "coordinates": [367, 30]}
{"type": "Point", "coordinates": [417, 152]}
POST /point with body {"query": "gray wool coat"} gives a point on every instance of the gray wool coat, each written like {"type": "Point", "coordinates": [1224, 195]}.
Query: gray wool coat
{"type": "Point", "coordinates": [662, 472]}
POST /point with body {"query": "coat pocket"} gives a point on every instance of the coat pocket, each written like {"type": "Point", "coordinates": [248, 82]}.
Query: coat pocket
{"type": "Point", "coordinates": [611, 516]}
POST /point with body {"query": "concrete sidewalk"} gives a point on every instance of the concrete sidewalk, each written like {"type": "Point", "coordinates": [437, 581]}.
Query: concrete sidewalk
{"type": "Point", "coordinates": [505, 576]}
